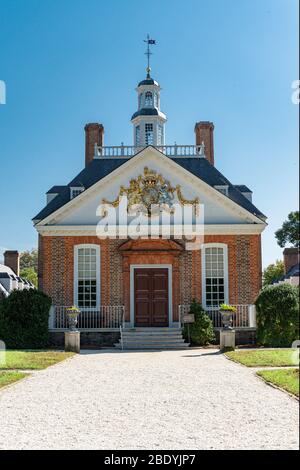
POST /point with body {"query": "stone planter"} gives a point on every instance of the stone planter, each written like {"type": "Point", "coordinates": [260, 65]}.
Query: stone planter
{"type": "Point", "coordinates": [227, 316]}
{"type": "Point", "coordinates": [72, 316]}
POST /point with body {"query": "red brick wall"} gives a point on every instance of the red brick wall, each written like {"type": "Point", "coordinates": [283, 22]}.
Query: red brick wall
{"type": "Point", "coordinates": [56, 269]}
{"type": "Point", "coordinates": [244, 267]}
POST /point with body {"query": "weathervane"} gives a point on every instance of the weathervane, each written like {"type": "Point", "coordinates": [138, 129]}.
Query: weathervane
{"type": "Point", "coordinates": [149, 41]}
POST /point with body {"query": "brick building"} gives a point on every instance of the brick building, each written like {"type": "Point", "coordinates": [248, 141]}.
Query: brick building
{"type": "Point", "coordinates": [150, 279]}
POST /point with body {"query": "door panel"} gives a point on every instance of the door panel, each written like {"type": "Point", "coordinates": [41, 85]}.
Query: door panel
{"type": "Point", "coordinates": [151, 297]}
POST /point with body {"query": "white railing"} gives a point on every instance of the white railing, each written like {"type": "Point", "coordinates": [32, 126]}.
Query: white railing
{"type": "Point", "coordinates": [245, 316]}
{"type": "Point", "coordinates": [109, 317]}
{"type": "Point", "coordinates": [169, 150]}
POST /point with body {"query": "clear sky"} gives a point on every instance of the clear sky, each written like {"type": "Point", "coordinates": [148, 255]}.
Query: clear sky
{"type": "Point", "coordinates": [69, 62]}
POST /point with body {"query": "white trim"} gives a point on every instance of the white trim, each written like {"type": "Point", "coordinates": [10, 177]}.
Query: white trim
{"type": "Point", "coordinates": [161, 159]}
{"type": "Point", "coordinates": [75, 188]}
{"type": "Point", "coordinates": [203, 280]}
{"type": "Point", "coordinates": [98, 272]}
{"type": "Point", "coordinates": [221, 229]}
{"type": "Point", "coordinates": [170, 295]}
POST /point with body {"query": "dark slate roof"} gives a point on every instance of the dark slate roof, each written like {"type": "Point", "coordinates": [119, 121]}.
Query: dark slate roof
{"type": "Point", "coordinates": [242, 188]}
{"type": "Point", "coordinates": [148, 112]}
{"type": "Point", "coordinates": [100, 168]}
{"type": "Point", "coordinates": [148, 81]}
{"type": "Point", "coordinates": [55, 189]}
{"type": "Point", "coordinates": [293, 271]}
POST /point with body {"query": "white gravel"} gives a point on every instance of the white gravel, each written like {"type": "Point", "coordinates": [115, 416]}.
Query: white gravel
{"type": "Point", "coordinates": [193, 399]}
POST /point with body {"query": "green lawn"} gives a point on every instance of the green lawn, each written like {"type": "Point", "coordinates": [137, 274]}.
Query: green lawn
{"type": "Point", "coordinates": [9, 377]}
{"type": "Point", "coordinates": [263, 357]}
{"type": "Point", "coordinates": [33, 359]}
{"type": "Point", "coordinates": [288, 379]}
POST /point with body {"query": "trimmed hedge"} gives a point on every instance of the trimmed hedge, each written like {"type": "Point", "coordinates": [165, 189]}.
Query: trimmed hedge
{"type": "Point", "coordinates": [202, 331]}
{"type": "Point", "coordinates": [278, 315]}
{"type": "Point", "coordinates": [24, 319]}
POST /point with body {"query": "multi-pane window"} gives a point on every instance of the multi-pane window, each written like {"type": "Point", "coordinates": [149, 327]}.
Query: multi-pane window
{"type": "Point", "coordinates": [215, 276]}
{"type": "Point", "coordinates": [75, 192]}
{"type": "Point", "coordinates": [149, 139]}
{"type": "Point", "coordinates": [87, 279]}
{"type": "Point", "coordinates": [148, 98]}
{"type": "Point", "coordinates": [160, 134]}
{"type": "Point", "coordinates": [137, 135]}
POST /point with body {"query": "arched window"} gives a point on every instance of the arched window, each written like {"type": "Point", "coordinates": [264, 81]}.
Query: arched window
{"type": "Point", "coordinates": [87, 276]}
{"type": "Point", "coordinates": [214, 275]}
{"type": "Point", "coordinates": [148, 98]}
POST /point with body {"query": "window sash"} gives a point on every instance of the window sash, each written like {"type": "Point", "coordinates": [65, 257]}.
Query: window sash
{"type": "Point", "coordinates": [214, 275]}
{"type": "Point", "coordinates": [87, 276]}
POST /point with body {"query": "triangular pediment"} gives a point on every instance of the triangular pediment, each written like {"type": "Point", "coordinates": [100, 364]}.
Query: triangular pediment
{"type": "Point", "coordinates": [84, 209]}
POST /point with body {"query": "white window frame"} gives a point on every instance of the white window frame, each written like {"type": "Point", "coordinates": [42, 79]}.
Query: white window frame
{"type": "Point", "coordinates": [98, 273]}
{"type": "Point", "coordinates": [148, 132]}
{"type": "Point", "coordinates": [75, 188]}
{"type": "Point", "coordinates": [148, 101]}
{"type": "Point", "coordinates": [223, 189]}
{"type": "Point", "coordinates": [137, 135]}
{"type": "Point", "coordinates": [226, 281]}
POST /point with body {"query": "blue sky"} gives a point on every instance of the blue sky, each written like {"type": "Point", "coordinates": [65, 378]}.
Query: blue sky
{"type": "Point", "coordinates": [69, 62]}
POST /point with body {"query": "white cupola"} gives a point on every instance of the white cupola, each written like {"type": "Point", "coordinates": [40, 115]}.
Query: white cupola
{"type": "Point", "coordinates": [148, 121]}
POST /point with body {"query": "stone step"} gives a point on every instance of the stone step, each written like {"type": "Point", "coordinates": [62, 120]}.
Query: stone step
{"type": "Point", "coordinates": [152, 347]}
{"type": "Point", "coordinates": [153, 339]}
{"type": "Point", "coordinates": [151, 335]}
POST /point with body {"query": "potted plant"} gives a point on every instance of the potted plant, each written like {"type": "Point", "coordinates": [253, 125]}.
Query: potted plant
{"type": "Point", "coordinates": [227, 312]}
{"type": "Point", "coordinates": [72, 315]}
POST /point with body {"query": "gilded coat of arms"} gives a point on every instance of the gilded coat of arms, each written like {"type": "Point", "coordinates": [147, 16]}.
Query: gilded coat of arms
{"type": "Point", "coordinates": [149, 189]}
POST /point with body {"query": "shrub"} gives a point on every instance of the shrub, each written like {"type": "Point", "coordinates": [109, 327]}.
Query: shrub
{"type": "Point", "coordinates": [202, 331]}
{"type": "Point", "coordinates": [24, 319]}
{"type": "Point", "coordinates": [277, 315]}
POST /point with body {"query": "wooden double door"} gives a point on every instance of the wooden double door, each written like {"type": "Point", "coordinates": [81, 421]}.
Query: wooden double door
{"type": "Point", "coordinates": [151, 297]}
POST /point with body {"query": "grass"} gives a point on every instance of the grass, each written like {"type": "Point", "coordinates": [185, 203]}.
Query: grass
{"type": "Point", "coordinates": [287, 379]}
{"type": "Point", "coordinates": [10, 377]}
{"type": "Point", "coordinates": [33, 360]}
{"type": "Point", "coordinates": [263, 357]}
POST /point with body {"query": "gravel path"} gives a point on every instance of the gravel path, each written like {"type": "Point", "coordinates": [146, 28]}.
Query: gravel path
{"type": "Point", "coordinates": [193, 399]}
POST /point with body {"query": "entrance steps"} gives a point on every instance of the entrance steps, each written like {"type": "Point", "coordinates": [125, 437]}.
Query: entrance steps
{"type": "Point", "coordinates": [152, 339]}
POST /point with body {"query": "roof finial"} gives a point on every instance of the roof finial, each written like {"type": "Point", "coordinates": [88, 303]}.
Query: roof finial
{"type": "Point", "coordinates": [148, 41]}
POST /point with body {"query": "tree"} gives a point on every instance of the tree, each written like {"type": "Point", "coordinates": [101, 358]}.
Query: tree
{"type": "Point", "coordinates": [30, 275]}
{"type": "Point", "coordinates": [289, 232]}
{"type": "Point", "coordinates": [273, 272]}
{"type": "Point", "coordinates": [29, 259]}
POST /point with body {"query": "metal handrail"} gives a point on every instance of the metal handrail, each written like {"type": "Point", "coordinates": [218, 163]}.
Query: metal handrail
{"type": "Point", "coordinates": [245, 316]}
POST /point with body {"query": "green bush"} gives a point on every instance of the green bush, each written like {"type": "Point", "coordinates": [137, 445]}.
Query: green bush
{"type": "Point", "coordinates": [24, 319]}
{"type": "Point", "coordinates": [202, 331]}
{"type": "Point", "coordinates": [278, 315]}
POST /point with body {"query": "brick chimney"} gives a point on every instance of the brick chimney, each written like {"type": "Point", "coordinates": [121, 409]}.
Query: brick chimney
{"type": "Point", "coordinates": [204, 131]}
{"type": "Point", "coordinates": [94, 133]}
{"type": "Point", "coordinates": [12, 260]}
{"type": "Point", "coordinates": [291, 257]}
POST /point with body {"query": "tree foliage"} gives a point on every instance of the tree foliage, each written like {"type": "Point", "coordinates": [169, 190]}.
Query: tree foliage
{"type": "Point", "coordinates": [24, 319]}
{"type": "Point", "coordinates": [289, 232]}
{"type": "Point", "coordinates": [278, 315]}
{"type": "Point", "coordinates": [273, 272]}
{"type": "Point", "coordinates": [29, 274]}
{"type": "Point", "coordinates": [29, 259]}
{"type": "Point", "coordinates": [201, 332]}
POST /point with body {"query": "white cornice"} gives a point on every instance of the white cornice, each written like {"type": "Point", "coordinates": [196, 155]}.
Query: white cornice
{"type": "Point", "coordinates": [85, 230]}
